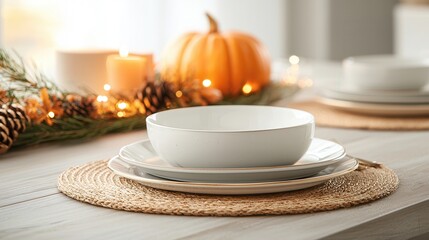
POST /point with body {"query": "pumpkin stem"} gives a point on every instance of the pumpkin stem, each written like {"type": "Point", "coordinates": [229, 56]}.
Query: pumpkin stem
{"type": "Point", "coordinates": [213, 24]}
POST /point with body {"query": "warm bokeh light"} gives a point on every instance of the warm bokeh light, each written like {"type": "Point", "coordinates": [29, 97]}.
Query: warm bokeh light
{"type": "Point", "coordinates": [179, 94]}
{"type": "Point", "coordinates": [294, 59]}
{"type": "Point", "coordinates": [207, 83]}
{"type": "Point", "coordinates": [247, 88]}
{"type": "Point", "coordinates": [101, 98]}
{"type": "Point", "coordinates": [107, 87]}
{"type": "Point", "coordinates": [289, 81]}
{"type": "Point", "coordinates": [51, 114]}
{"type": "Point", "coordinates": [123, 52]}
{"type": "Point", "coordinates": [120, 114]}
{"type": "Point", "coordinates": [305, 83]}
{"type": "Point", "coordinates": [122, 105]}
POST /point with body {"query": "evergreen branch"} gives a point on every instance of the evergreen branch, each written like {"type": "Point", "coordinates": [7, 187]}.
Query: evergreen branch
{"type": "Point", "coordinates": [18, 81]}
{"type": "Point", "coordinates": [81, 129]}
{"type": "Point", "coordinates": [84, 128]}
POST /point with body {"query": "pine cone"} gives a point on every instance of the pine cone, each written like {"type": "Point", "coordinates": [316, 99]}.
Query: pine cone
{"type": "Point", "coordinates": [75, 105]}
{"type": "Point", "coordinates": [3, 97]}
{"type": "Point", "coordinates": [155, 96]}
{"type": "Point", "coordinates": [13, 121]}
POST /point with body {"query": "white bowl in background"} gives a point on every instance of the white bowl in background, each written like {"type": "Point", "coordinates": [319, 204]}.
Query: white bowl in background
{"type": "Point", "coordinates": [386, 72]}
{"type": "Point", "coordinates": [231, 136]}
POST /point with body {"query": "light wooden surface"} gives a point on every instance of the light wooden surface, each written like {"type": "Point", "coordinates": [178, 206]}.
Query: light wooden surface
{"type": "Point", "coordinates": [32, 208]}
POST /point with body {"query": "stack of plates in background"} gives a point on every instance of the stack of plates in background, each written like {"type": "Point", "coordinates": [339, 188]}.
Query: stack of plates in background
{"type": "Point", "coordinates": [386, 85]}
{"type": "Point", "coordinates": [388, 103]}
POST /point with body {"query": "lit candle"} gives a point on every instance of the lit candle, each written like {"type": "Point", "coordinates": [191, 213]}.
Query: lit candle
{"type": "Point", "coordinates": [150, 72]}
{"type": "Point", "coordinates": [126, 74]}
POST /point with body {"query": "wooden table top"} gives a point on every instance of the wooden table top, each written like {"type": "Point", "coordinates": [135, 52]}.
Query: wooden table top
{"type": "Point", "coordinates": [31, 207]}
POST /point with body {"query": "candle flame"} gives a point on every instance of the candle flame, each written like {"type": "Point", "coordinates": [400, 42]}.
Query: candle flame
{"type": "Point", "coordinates": [123, 52]}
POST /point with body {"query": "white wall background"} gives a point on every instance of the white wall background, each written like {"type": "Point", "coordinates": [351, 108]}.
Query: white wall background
{"type": "Point", "coordinates": [35, 29]}
{"type": "Point", "coordinates": [317, 29]}
{"type": "Point", "coordinates": [336, 29]}
{"type": "Point", "coordinates": [147, 25]}
{"type": "Point", "coordinates": [412, 30]}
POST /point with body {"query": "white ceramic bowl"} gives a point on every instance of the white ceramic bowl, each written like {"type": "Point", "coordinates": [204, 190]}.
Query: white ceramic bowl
{"type": "Point", "coordinates": [230, 136]}
{"type": "Point", "coordinates": [386, 73]}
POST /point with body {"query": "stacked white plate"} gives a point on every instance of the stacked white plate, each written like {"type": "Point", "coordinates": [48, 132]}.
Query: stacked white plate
{"type": "Point", "coordinates": [323, 160]}
{"type": "Point", "coordinates": [387, 103]}
{"type": "Point", "coordinates": [385, 85]}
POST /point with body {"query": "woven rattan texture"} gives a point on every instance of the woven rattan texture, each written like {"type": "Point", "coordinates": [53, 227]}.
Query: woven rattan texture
{"type": "Point", "coordinates": [96, 184]}
{"type": "Point", "coordinates": [329, 117]}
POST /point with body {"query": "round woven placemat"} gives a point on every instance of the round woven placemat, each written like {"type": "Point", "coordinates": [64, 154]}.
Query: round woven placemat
{"type": "Point", "coordinates": [329, 117]}
{"type": "Point", "coordinates": [94, 183]}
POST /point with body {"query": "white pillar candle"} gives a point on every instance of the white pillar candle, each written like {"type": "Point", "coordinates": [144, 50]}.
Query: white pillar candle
{"type": "Point", "coordinates": [126, 73]}
{"type": "Point", "coordinates": [149, 65]}
{"type": "Point", "coordinates": [81, 70]}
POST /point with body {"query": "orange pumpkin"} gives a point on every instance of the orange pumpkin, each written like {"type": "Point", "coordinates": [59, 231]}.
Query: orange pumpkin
{"type": "Point", "coordinates": [234, 62]}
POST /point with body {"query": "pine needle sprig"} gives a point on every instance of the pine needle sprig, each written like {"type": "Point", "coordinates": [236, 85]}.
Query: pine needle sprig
{"type": "Point", "coordinates": [78, 128]}
{"type": "Point", "coordinates": [19, 81]}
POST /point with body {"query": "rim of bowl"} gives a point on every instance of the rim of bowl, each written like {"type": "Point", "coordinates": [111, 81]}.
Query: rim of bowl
{"type": "Point", "coordinates": [150, 120]}
{"type": "Point", "coordinates": [382, 61]}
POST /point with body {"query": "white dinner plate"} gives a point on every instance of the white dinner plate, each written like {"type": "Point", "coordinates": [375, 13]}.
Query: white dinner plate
{"type": "Point", "coordinates": [392, 110]}
{"type": "Point", "coordinates": [396, 97]}
{"type": "Point", "coordinates": [126, 170]}
{"type": "Point", "coordinates": [320, 154]}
